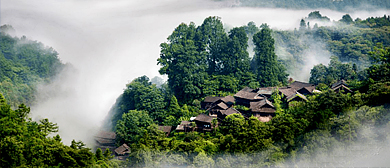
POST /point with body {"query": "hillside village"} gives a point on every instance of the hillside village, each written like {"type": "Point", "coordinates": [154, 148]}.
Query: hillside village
{"type": "Point", "coordinates": [257, 101]}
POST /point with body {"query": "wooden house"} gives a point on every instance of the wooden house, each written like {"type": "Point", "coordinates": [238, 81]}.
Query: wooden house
{"type": "Point", "coordinates": [265, 91]}
{"type": "Point", "coordinates": [105, 138]}
{"type": "Point", "coordinates": [224, 113]}
{"type": "Point", "coordinates": [209, 101]}
{"type": "Point", "coordinates": [298, 85]}
{"type": "Point", "coordinates": [342, 86]}
{"type": "Point", "coordinates": [214, 110]}
{"type": "Point", "coordinates": [203, 122]}
{"type": "Point", "coordinates": [121, 151]}
{"type": "Point", "coordinates": [212, 101]}
{"type": "Point", "coordinates": [296, 97]}
{"type": "Point", "coordinates": [262, 108]}
{"type": "Point", "coordinates": [184, 126]}
{"type": "Point", "coordinates": [246, 96]}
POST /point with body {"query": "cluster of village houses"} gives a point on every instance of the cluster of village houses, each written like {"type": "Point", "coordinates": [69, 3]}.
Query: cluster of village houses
{"type": "Point", "coordinates": [256, 100]}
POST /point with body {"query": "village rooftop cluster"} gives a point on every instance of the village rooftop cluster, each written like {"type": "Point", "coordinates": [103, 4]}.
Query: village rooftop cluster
{"type": "Point", "coordinates": [218, 108]}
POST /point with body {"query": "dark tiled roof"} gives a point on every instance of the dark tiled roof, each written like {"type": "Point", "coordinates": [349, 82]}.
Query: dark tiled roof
{"type": "Point", "coordinates": [228, 99]}
{"type": "Point", "coordinates": [248, 95]}
{"type": "Point", "coordinates": [287, 91]}
{"type": "Point", "coordinates": [222, 105]}
{"type": "Point", "coordinates": [340, 82]}
{"type": "Point", "coordinates": [122, 150]}
{"type": "Point", "coordinates": [229, 111]}
{"type": "Point", "coordinates": [342, 87]}
{"type": "Point", "coordinates": [308, 89]}
{"type": "Point", "coordinates": [261, 103]}
{"type": "Point", "coordinates": [298, 85]}
{"type": "Point", "coordinates": [204, 118]}
{"type": "Point", "coordinates": [297, 94]}
{"type": "Point", "coordinates": [265, 90]}
{"type": "Point", "coordinates": [106, 135]}
{"type": "Point", "coordinates": [261, 106]}
{"type": "Point", "coordinates": [211, 99]}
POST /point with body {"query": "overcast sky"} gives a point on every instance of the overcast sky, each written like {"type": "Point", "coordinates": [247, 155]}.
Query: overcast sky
{"type": "Point", "coordinates": [111, 42]}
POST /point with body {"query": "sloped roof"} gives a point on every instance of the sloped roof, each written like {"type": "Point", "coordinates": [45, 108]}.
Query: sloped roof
{"type": "Point", "coordinates": [204, 118]}
{"type": "Point", "coordinates": [229, 111]}
{"type": "Point", "coordinates": [297, 85]}
{"type": "Point", "coordinates": [287, 91]}
{"type": "Point", "coordinates": [211, 99]}
{"type": "Point", "coordinates": [259, 106]}
{"type": "Point", "coordinates": [247, 95]}
{"type": "Point", "coordinates": [228, 99]}
{"type": "Point", "coordinates": [342, 87]}
{"type": "Point", "coordinates": [222, 105]}
{"type": "Point", "coordinates": [106, 135]}
{"type": "Point", "coordinates": [265, 90]}
{"type": "Point", "coordinates": [308, 88]}
{"type": "Point", "coordinates": [123, 149]}
{"type": "Point", "coordinates": [105, 141]}
{"type": "Point", "coordinates": [297, 94]}
{"type": "Point", "coordinates": [340, 82]}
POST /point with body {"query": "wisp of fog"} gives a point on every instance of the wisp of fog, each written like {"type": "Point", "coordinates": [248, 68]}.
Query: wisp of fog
{"type": "Point", "coordinates": [109, 43]}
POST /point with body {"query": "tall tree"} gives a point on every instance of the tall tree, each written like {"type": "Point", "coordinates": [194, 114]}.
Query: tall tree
{"type": "Point", "coordinates": [236, 61]}
{"type": "Point", "coordinates": [213, 38]}
{"type": "Point", "coordinates": [132, 125]}
{"type": "Point", "coordinates": [268, 70]}
{"type": "Point", "coordinates": [183, 63]}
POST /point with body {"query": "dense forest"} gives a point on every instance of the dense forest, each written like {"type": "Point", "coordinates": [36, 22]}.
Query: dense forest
{"type": "Point", "coordinates": [24, 64]}
{"type": "Point", "coordinates": [208, 60]}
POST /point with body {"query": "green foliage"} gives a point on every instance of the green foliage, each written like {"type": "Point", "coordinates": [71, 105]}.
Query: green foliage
{"type": "Point", "coordinates": [204, 60]}
{"type": "Point", "coordinates": [131, 126]}
{"type": "Point", "coordinates": [268, 70]}
{"type": "Point", "coordinates": [381, 70]}
{"type": "Point", "coordinates": [333, 73]}
{"type": "Point", "coordinates": [140, 94]}
{"type": "Point", "coordinates": [25, 143]}
{"type": "Point", "coordinates": [24, 64]}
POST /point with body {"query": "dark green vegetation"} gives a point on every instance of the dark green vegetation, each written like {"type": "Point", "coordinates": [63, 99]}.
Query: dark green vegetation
{"type": "Point", "coordinates": [26, 143]}
{"type": "Point", "coordinates": [23, 65]}
{"type": "Point", "coordinates": [341, 5]}
{"type": "Point", "coordinates": [205, 60]}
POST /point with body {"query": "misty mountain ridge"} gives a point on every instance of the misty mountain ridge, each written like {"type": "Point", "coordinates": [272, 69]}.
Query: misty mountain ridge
{"type": "Point", "coordinates": [338, 5]}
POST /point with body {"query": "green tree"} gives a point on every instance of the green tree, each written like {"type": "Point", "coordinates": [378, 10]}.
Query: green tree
{"type": "Point", "coordinates": [236, 61]}
{"type": "Point", "coordinates": [184, 64]}
{"type": "Point", "coordinates": [131, 125]}
{"type": "Point", "coordinates": [347, 19]}
{"type": "Point", "coordinates": [268, 70]}
{"type": "Point", "coordinates": [381, 70]}
{"type": "Point", "coordinates": [213, 39]}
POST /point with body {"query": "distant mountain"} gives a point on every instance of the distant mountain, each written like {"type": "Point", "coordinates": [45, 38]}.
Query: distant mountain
{"type": "Point", "coordinates": [340, 5]}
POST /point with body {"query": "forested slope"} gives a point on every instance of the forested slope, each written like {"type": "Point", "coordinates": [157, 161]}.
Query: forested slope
{"type": "Point", "coordinates": [24, 64]}
{"type": "Point", "coordinates": [205, 61]}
